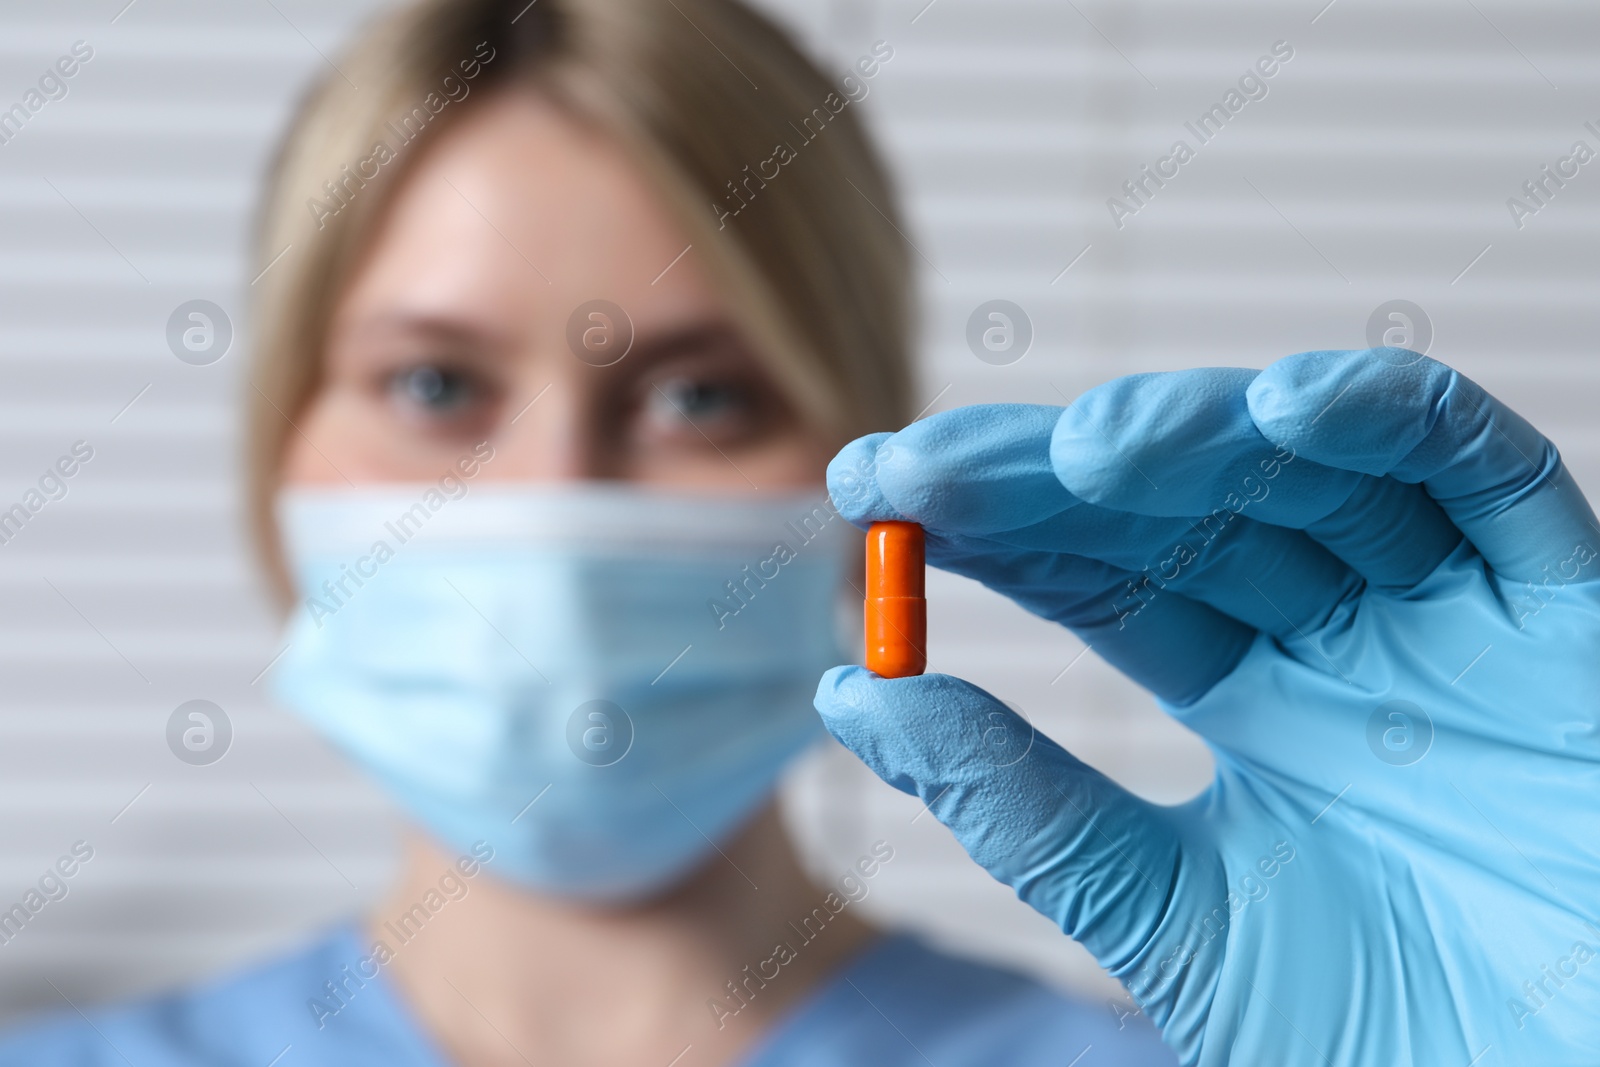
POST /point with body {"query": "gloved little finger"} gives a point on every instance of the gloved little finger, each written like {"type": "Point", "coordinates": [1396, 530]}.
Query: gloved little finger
{"type": "Point", "coordinates": [1172, 645]}
{"type": "Point", "coordinates": [1389, 411]}
{"type": "Point", "coordinates": [1074, 845]}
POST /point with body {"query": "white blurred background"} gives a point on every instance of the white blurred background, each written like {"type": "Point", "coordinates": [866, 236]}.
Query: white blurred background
{"type": "Point", "coordinates": [1376, 168]}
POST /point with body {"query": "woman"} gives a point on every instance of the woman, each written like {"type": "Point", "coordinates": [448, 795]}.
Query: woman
{"type": "Point", "coordinates": [580, 299]}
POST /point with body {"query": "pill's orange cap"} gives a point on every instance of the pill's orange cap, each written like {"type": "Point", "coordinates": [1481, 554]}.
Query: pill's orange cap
{"type": "Point", "coordinates": [896, 613]}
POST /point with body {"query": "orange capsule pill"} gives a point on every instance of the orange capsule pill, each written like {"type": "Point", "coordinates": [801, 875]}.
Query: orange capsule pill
{"type": "Point", "coordinates": [896, 609]}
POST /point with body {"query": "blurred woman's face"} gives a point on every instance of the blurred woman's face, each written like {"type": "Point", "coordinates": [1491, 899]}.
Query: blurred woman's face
{"type": "Point", "coordinates": [455, 330]}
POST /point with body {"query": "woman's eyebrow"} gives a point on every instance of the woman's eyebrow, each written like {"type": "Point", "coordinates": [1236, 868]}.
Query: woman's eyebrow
{"type": "Point", "coordinates": [434, 327]}
{"type": "Point", "coordinates": [697, 337]}
{"type": "Point", "coordinates": [647, 350]}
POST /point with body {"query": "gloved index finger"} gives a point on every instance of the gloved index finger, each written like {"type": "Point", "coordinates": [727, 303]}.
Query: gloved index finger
{"type": "Point", "coordinates": [969, 472]}
{"type": "Point", "coordinates": [853, 482]}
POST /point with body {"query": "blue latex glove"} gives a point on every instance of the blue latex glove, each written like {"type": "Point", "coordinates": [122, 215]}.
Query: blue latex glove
{"type": "Point", "coordinates": [1372, 589]}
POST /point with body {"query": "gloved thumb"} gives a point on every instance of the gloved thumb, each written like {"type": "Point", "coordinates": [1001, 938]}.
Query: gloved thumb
{"type": "Point", "coordinates": [1072, 843]}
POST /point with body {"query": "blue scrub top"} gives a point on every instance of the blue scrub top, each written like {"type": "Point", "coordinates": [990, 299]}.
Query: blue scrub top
{"type": "Point", "coordinates": [897, 1003]}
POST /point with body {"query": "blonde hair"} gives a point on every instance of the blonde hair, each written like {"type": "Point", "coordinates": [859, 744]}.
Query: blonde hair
{"type": "Point", "coordinates": [700, 92]}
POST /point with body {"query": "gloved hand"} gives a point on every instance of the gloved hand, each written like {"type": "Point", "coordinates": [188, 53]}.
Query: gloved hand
{"type": "Point", "coordinates": [1373, 590]}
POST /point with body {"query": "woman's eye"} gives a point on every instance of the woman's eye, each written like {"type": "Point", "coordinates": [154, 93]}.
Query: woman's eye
{"type": "Point", "coordinates": [432, 389]}
{"type": "Point", "coordinates": [706, 405]}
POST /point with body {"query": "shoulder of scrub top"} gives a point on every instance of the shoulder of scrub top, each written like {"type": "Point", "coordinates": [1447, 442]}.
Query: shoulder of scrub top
{"type": "Point", "coordinates": [281, 1010]}
{"type": "Point", "coordinates": [898, 1003]}
{"type": "Point", "coordinates": [902, 1003]}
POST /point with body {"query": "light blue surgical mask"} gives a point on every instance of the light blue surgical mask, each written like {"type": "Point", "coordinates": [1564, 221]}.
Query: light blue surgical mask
{"type": "Point", "coordinates": [600, 681]}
